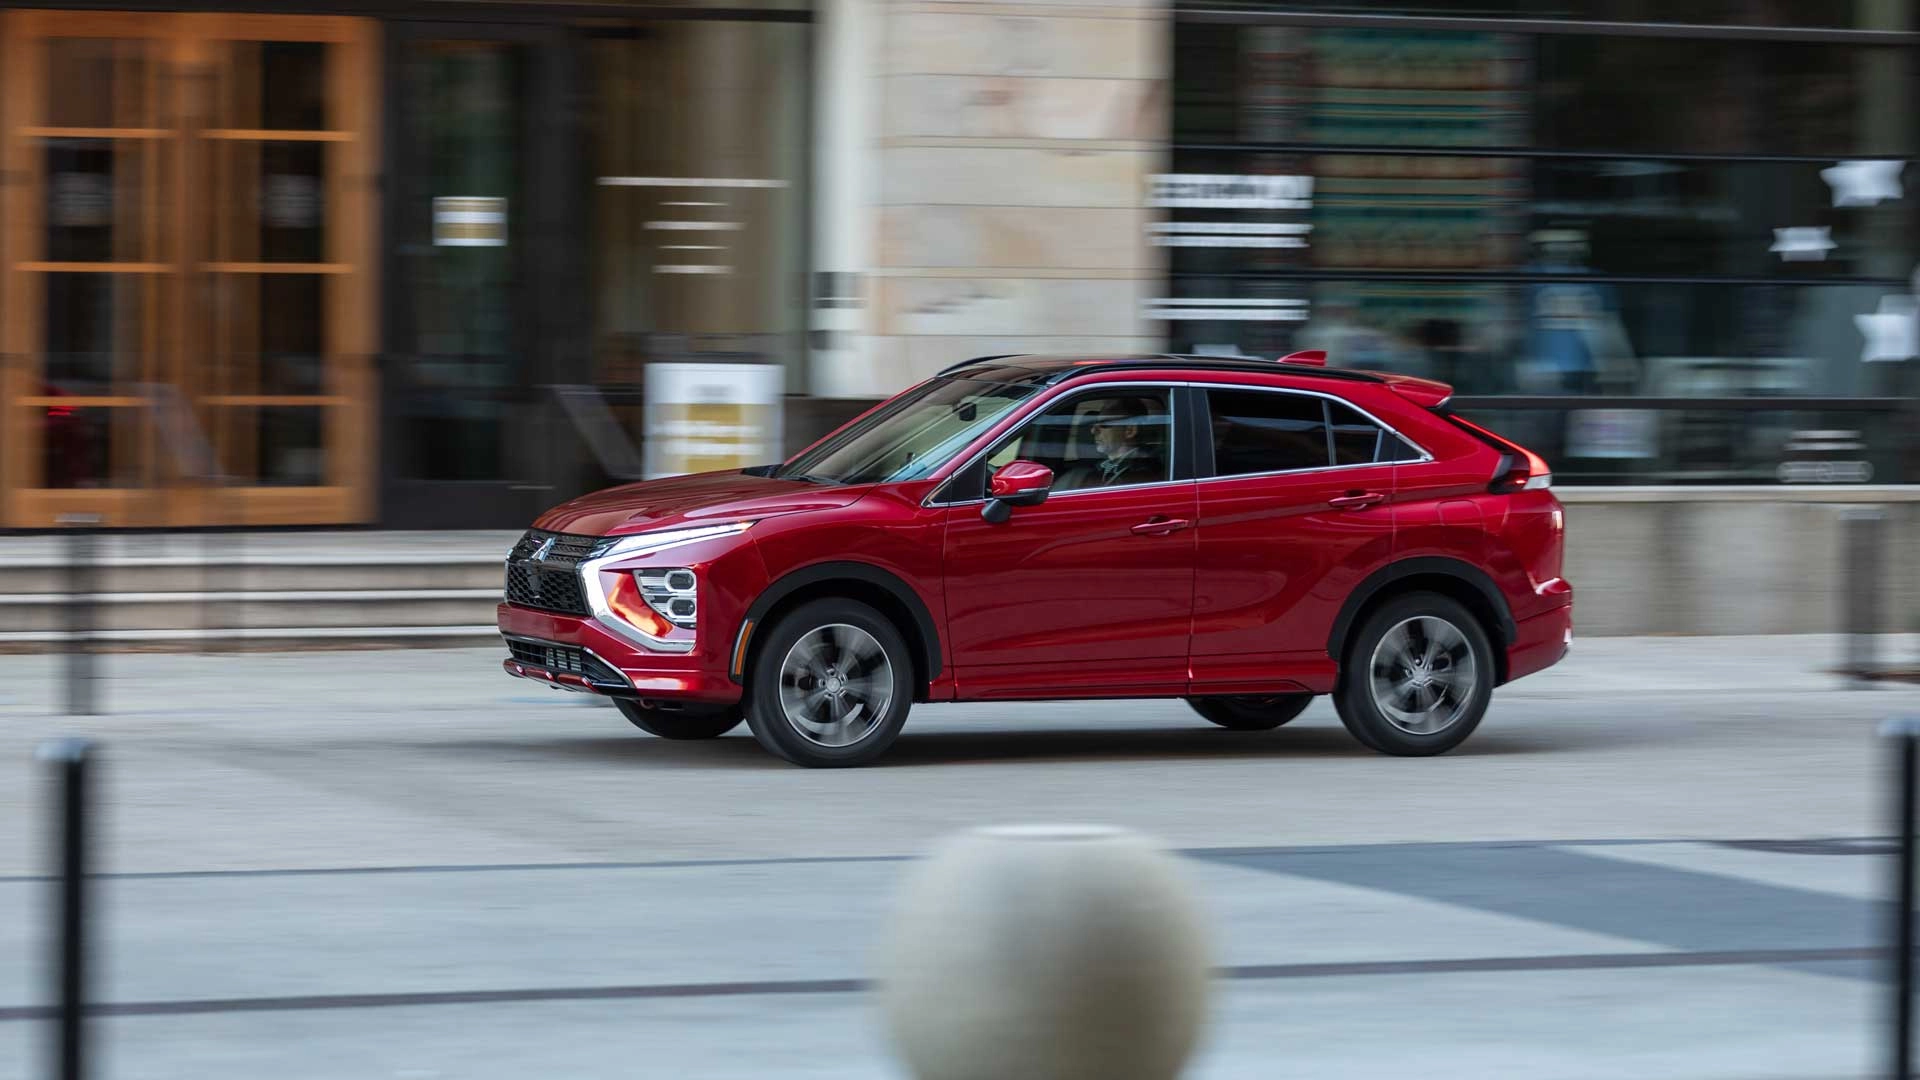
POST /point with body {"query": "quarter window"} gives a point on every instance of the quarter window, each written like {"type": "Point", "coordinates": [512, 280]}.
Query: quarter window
{"type": "Point", "coordinates": [1356, 439]}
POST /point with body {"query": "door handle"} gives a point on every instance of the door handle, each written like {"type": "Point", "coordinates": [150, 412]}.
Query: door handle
{"type": "Point", "coordinates": [1358, 500]}
{"type": "Point", "coordinates": [1159, 526]}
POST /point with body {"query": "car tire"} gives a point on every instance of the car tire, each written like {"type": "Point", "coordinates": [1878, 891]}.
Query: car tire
{"type": "Point", "coordinates": [705, 724]}
{"type": "Point", "coordinates": [830, 684]}
{"type": "Point", "coordinates": [1251, 712]}
{"type": "Point", "coordinates": [1416, 677]}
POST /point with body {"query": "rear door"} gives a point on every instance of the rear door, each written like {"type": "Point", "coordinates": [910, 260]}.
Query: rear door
{"type": "Point", "coordinates": [1296, 511]}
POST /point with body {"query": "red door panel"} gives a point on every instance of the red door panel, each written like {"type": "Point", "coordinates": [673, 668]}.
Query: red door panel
{"type": "Point", "coordinates": [1089, 593]}
{"type": "Point", "coordinates": [1277, 557]}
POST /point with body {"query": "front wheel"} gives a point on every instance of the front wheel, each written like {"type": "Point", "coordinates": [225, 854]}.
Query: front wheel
{"type": "Point", "coordinates": [1417, 677]}
{"type": "Point", "coordinates": [1251, 712]}
{"type": "Point", "coordinates": [680, 725]}
{"type": "Point", "coordinates": [831, 685]}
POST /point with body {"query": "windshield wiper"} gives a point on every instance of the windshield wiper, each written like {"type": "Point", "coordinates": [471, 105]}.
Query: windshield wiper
{"type": "Point", "coordinates": [810, 478]}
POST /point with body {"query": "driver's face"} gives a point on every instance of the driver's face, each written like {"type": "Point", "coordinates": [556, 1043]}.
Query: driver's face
{"type": "Point", "coordinates": [1112, 435]}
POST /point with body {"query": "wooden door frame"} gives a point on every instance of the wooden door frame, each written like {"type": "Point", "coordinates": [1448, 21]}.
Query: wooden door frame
{"type": "Point", "coordinates": [186, 43]}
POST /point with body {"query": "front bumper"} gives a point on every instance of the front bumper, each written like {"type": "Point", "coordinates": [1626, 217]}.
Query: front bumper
{"type": "Point", "coordinates": [694, 676]}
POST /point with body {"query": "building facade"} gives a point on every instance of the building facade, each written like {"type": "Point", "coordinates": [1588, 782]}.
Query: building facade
{"type": "Point", "coordinates": [351, 263]}
{"type": "Point", "coordinates": [435, 263]}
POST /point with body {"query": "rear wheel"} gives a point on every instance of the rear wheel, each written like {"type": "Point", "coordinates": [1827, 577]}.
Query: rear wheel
{"type": "Point", "coordinates": [1251, 712]}
{"type": "Point", "coordinates": [831, 685]}
{"type": "Point", "coordinates": [1417, 676]}
{"type": "Point", "coordinates": [675, 724]}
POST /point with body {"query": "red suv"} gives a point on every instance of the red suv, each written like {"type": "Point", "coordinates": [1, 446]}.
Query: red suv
{"type": "Point", "coordinates": [1240, 533]}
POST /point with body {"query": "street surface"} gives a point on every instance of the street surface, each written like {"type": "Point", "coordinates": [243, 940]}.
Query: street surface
{"type": "Point", "coordinates": [1658, 859]}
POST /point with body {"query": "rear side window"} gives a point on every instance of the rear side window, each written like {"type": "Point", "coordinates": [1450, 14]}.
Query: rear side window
{"type": "Point", "coordinates": [1256, 432]}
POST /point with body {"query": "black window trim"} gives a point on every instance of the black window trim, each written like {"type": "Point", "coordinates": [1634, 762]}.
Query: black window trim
{"type": "Point", "coordinates": [1203, 421]}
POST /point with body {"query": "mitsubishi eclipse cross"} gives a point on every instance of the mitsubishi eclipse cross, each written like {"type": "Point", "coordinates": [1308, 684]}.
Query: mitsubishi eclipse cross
{"type": "Point", "coordinates": [1240, 533]}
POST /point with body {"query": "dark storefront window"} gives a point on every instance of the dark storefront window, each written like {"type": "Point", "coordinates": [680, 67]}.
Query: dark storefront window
{"type": "Point", "coordinates": [699, 144]}
{"type": "Point", "coordinates": [1614, 219]}
{"type": "Point", "coordinates": [572, 203]}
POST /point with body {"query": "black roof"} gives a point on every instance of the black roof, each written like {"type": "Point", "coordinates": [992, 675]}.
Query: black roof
{"type": "Point", "coordinates": [1042, 369]}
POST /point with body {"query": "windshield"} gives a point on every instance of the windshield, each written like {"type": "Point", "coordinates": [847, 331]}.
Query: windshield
{"type": "Point", "coordinates": [910, 436]}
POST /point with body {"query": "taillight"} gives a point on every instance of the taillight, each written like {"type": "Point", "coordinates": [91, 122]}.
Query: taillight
{"type": "Point", "coordinates": [1520, 469]}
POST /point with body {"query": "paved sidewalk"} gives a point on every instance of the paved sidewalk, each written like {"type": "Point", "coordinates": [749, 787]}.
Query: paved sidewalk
{"type": "Point", "coordinates": [1647, 863]}
{"type": "Point", "coordinates": [1455, 960]}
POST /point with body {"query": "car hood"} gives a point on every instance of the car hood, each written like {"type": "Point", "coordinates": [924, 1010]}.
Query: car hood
{"type": "Point", "coordinates": [698, 499]}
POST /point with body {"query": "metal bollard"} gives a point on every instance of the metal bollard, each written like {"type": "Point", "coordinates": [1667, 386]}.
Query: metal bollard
{"type": "Point", "coordinates": [1907, 730]}
{"type": "Point", "coordinates": [80, 612]}
{"type": "Point", "coordinates": [69, 759]}
{"type": "Point", "coordinates": [1046, 953]}
{"type": "Point", "coordinates": [1863, 536]}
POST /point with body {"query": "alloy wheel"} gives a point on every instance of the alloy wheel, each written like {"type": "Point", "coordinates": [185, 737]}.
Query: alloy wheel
{"type": "Point", "coordinates": [836, 684]}
{"type": "Point", "coordinates": [1423, 675]}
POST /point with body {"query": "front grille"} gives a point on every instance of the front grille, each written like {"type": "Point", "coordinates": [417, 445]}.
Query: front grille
{"type": "Point", "coordinates": [567, 659]}
{"type": "Point", "coordinates": [567, 549]}
{"type": "Point", "coordinates": [550, 582]}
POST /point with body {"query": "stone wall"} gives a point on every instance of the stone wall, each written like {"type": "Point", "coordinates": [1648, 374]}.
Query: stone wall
{"type": "Point", "coordinates": [1731, 560]}
{"type": "Point", "coordinates": [1010, 147]}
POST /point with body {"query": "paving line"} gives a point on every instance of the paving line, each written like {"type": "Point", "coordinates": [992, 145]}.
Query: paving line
{"type": "Point", "coordinates": [787, 987]}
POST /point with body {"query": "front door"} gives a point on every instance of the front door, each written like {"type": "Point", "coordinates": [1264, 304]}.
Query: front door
{"type": "Point", "coordinates": [186, 285]}
{"type": "Point", "coordinates": [1091, 592]}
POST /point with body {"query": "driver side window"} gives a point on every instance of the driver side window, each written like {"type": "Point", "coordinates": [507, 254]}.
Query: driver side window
{"type": "Point", "coordinates": [1099, 439]}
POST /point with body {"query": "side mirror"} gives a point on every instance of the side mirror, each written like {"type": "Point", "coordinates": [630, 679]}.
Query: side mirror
{"type": "Point", "coordinates": [1017, 483]}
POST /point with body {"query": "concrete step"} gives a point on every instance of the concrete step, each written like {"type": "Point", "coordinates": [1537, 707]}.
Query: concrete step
{"type": "Point", "coordinates": [263, 590]}
{"type": "Point", "coordinates": [45, 613]}
{"type": "Point", "coordinates": [262, 639]}
{"type": "Point", "coordinates": [189, 575]}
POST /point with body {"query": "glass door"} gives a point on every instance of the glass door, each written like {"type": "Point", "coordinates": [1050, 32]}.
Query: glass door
{"type": "Point", "coordinates": [186, 269]}
{"type": "Point", "coordinates": [477, 261]}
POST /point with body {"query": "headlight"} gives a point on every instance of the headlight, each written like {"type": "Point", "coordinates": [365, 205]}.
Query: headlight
{"type": "Point", "coordinates": [673, 592]}
{"type": "Point", "coordinates": [648, 543]}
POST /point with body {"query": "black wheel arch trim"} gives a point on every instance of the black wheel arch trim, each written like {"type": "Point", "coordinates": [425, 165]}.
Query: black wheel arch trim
{"type": "Point", "coordinates": [1439, 565]}
{"type": "Point", "coordinates": [865, 573]}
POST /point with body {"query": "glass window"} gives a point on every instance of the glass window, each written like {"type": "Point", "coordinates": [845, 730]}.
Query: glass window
{"type": "Point", "coordinates": [1748, 445]}
{"type": "Point", "coordinates": [464, 212]}
{"type": "Point", "coordinates": [1575, 337]}
{"type": "Point", "coordinates": [1395, 448]}
{"type": "Point", "coordinates": [1356, 439]}
{"type": "Point", "coordinates": [1393, 86]}
{"type": "Point", "coordinates": [699, 200]}
{"type": "Point", "coordinates": [1098, 440]}
{"type": "Point", "coordinates": [1714, 97]}
{"type": "Point", "coordinates": [1772, 13]}
{"type": "Point", "coordinates": [910, 436]}
{"type": "Point", "coordinates": [1446, 214]}
{"type": "Point", "coordinates": [1258, 432]}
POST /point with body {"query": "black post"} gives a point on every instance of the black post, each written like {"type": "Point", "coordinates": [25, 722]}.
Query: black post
{"type": "Point", "coordinates": [69, 758]}
{"type": "Point", "coordinates": [1907, 730]}
{"type": "Point", "coordinates": [1862, 534]}
{"type": "Point", "coordinates": [80, 612]}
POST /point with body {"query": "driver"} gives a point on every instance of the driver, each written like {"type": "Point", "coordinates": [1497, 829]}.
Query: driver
{"type": "Point", "coordinates": [1116, 433]}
